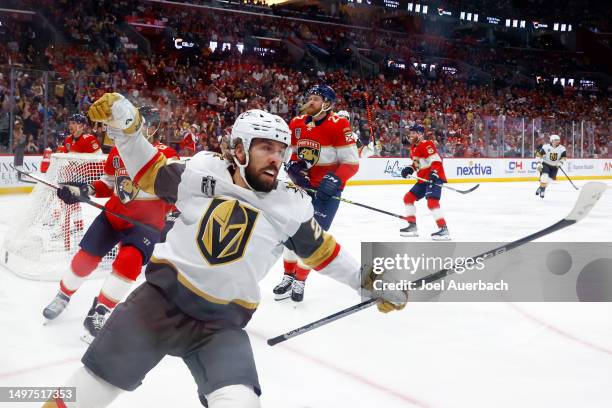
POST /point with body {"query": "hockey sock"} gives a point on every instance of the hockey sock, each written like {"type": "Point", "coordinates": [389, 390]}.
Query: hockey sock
{"type": "Point", "coordinates": [434, 206]}
{"type": "Point", "coordinates": [230, 396]}
{"type": "Point", "coordinates": [93, 392]}
{"type": "Point", "coordinates": [409, 200]}
{"type": "Point", "coordinates": [290, 260]}
{"type": "Point", "coordinates": [126, 268]}
{"type": "Point", "coordinates": [289, 267]}
{"type": "Point", "coordinates": [82, 265]}
{"type": "Point", "coordinates": [301, 272]}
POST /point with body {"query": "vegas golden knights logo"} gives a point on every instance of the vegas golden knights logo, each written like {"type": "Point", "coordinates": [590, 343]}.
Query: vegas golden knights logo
{"type": "Point", "coordinates": [225, 230]}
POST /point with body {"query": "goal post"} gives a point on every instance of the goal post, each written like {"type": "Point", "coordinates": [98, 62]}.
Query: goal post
{"type": "Point", "coordinates": [45, 234]}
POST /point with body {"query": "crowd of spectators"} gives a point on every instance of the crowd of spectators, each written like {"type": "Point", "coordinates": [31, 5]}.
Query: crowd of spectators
{"type": "Point", "coordinates": [199, 96]}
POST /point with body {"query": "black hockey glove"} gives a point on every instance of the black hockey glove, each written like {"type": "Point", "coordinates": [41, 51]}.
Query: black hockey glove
{"type": "Point", "coordinates": [434, 177]}
{"type": "Point", "coordinates": [407, 171]}
{"type": "Point", "coordinates": [296, 170]}
{"type": "Point", "coordinates": [72, 193]}
{"type": "Point", "coordinates": [330, 186]}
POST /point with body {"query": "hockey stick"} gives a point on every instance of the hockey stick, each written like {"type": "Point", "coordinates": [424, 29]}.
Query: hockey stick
{"type": "Point", "coordinates": [569, 179]}
{"type": "Point", "coordinates": [18, 162]}
{"type": "Point", "coordinates": [589, 195]}
{"type": "Point", "coordinates": [18, 166]}
{"type": "Point", "coordinates": [445, 186]}
{"type": "Point", "coordinates": [344, 200]}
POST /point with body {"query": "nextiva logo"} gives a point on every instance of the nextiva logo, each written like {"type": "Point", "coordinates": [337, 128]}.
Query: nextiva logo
{"type": "Point", "coordinates": [607, 166]}
{"type": "Point", "coordinates": [474, 169]}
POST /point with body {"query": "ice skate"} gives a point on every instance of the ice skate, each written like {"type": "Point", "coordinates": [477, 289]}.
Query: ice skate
{"type": "Point", "coordinates": [410, 230]}
{"type": "Point", "coordinates": [56, 307]}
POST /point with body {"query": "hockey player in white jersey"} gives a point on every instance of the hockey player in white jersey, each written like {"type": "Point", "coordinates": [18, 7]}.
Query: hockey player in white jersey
{"type": "Point", "coordinates": [202, 283]}
{"type": "Point", "coordinates": [550, 156]}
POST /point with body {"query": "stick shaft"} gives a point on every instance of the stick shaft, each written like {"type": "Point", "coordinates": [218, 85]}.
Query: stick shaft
{"type": "Point", "coordinates": [568, 178]}
{"type": "Point", "coordinates": [313, 191]}
{"type": "Point", "coordinates": [445, 186]}
{"type": "Point", "coordinates": [321, 322]}
{"type": "Point", "coordinates": [92, 203]}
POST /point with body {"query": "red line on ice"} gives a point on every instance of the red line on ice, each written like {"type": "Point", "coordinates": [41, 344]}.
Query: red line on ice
{"type": "Point", "coordinates": [39, 367]}
{"type": "Point", "coordinates": [558, 331]}
{"type": "Point", "coordinates": [358, 378]}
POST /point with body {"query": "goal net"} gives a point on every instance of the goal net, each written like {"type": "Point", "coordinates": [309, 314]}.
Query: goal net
{"type": "Point", "coordinates": [43, 238]}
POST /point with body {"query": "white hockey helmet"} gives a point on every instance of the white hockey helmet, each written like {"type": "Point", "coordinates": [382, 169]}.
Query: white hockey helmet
{"type": "Point", "coordinates": [344, 114]}
{"type": "Point", "coordinates": [555, 138]}
{"type": "Point", "coordinates": [258, 124]}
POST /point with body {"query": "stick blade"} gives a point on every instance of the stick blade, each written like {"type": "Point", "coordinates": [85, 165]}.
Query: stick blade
{"type": "Point", "coordinates": [590, 193]}
{"type": "Point", "coordinates": [471, 189]}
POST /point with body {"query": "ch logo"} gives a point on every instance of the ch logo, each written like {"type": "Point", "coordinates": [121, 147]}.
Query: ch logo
{"type": "Point", "coordinates": [225, 230]}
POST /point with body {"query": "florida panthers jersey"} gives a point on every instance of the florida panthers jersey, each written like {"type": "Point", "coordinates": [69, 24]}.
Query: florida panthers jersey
{"type": "Point", "coordinates": [550, 155]}
{"type": "Point", "coordinates": [227, 237]}
{"type": "Point", "coordinates": [126, 197]}
{"type": "Point", "coordinates": [425, 158]}
{"type": "Point", "coordinates": [326, 146]}
{"type": "Point", "coordinates": [86, 143]}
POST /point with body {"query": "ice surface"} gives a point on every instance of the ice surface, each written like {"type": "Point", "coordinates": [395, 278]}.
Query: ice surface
{"type": "Point", "coordinates": [430, 354]}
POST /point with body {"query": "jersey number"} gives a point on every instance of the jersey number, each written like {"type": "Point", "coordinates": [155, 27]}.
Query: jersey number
{"type": "Point", "coordinates": [316, 229]}
{"type": "Point", "coordinates": [225, 230]}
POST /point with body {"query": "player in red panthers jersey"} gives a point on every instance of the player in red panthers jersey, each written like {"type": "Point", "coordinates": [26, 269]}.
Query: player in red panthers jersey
{"type": "Point", "coordinates": [135, 242]}
{"type": "Point", "coordinates": [324, 158]}
{"type": "Point", "coordinates": [78, 141]}
{"type": "Point", "coordinates": [428, 165]}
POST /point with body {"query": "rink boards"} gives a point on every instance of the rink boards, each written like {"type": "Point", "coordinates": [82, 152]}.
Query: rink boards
{"type": "Point", "coordinates": [379, 171]}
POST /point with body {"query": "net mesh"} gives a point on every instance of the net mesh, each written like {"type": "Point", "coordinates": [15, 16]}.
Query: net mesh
{"type": "Point", "coordinates": [43, 239]}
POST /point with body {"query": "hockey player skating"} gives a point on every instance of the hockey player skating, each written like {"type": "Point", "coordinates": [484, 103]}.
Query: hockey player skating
{"type": "Point", "coordinates": [550, 156]}
{"type": "Point", "coordinates": [428, 165]}
{"type": "Point", "coordinates": [324, 158]}
{"type": "Point", "coordinates": [202, 283]}
{"type": "Point", "coordinates": [135, 242]}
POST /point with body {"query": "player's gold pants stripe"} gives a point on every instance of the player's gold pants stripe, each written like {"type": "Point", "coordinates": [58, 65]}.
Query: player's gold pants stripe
{"type": "Point", "coordinates": [147, 175]}
{"type": "Point", "coordinates": [324, 251]}
{"type": "Point", "coordinates": [52, 404]}
{"type": "Point", "coordinates": [210, 298]}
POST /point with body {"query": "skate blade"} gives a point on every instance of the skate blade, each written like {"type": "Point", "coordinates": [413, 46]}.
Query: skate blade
{"type": "Point", "coordinates": [409, 234]}
{"type": "Point", "coordinates": [87, 338]}
{"type": "Point", "coordinates": [442, 238]}
{"type": "Point", "coordinates": [282, 296]}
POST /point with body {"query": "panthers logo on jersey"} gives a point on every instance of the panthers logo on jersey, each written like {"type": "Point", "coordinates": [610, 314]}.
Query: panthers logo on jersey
{"type": "Point", "coordinates": [125, 187]}
{"type": "Point", "coordinates": [225, 230]}
{"type": "Point", "coordinates": [309, 151]}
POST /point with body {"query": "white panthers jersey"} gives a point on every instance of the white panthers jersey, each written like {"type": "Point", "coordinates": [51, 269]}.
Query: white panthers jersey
{"type": "Point", "coordinates": [552, 155]}
{"type": "Point", "coordinates": [227, 237]}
